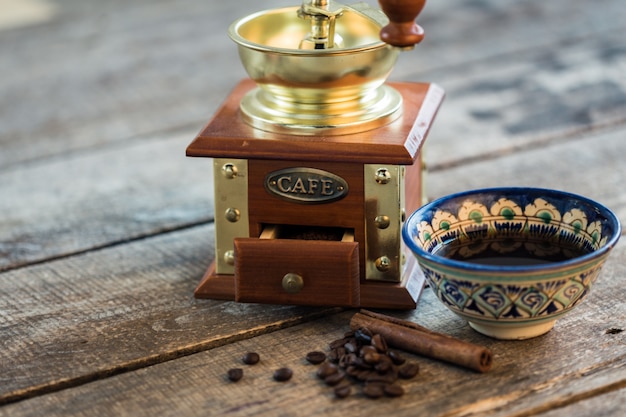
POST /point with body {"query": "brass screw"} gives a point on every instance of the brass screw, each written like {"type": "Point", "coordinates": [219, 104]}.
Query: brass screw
{"type": "Point", "coordinates": [232, 214]}
{"type": "Point", "coordinates": [383, 176]}
{"type": "Point", "coordinates": [383, 264]}
{"type": "Point", "coordinates": [229, 257]}
{"type": "Point", "coordinates": [382, 222]}
{"type": "Point", "coordinates": [229, 171]}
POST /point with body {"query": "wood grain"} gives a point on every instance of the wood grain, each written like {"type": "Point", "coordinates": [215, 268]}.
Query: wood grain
{"type": "Point", "coordinates": [261, 265]}
{"type": "Point", "coordinates": [591, 165]}
{"type": "Point", "coordinates": [539, 96]}
{"type": "Point", "coordinates": [564, 82]}
{"type": "Point", "coordinates": [118, 309]}
{"type": "Point", "coordinates": [556, 370]}
{"type": "Point", "coordinates": [105, 225]}
{"type": "Point", "coordinates": [126, 71]}
{"type": "Point", "coordinates": [609, 404]}
{"type": "Point", "coordinates": [68, 285]}
{"type": "Point", "coordinates": [81, 202]}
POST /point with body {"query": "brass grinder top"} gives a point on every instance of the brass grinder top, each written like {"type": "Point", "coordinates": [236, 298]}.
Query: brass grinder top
{"type": "Point", "coordinates": [319, 68]}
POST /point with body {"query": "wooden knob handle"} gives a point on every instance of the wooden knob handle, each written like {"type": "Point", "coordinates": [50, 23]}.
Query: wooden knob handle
{"type": "Point", "coordinates": [402, 31]}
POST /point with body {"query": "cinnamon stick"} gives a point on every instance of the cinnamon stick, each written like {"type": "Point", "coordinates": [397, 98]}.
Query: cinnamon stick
{"type": "Point", "coordinates": [414, 338]}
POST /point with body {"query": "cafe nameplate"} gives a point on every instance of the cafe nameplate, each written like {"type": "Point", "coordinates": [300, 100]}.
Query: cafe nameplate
{"type": "Point", "coordinates": [306, 185]}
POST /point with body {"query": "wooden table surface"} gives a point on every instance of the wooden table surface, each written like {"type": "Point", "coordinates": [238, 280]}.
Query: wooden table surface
{"type": "Point", "coordinates": [106, 228]}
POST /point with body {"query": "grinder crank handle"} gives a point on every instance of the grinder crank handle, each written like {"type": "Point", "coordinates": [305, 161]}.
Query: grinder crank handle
{"type": "Point", "coordinates": [402, 31]}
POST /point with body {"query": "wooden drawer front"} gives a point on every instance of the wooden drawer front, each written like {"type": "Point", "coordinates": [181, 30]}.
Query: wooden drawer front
{"type": "Point", "coordinates": [329, 271]}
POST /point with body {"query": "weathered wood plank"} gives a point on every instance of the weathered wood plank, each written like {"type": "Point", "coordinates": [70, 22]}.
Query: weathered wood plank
{"type": "Point", "coordinates": [94, 315]}
{"type": "Point", "coordinates": [605, 405]}
{"type": "Point", "coordinates": [557, 369]}
{"type": "Point", "coordinates": [102, 73]}
{"type": "Point", "coordinates": [132, 291]}
{"type": "Point", "coordinates": [88, 201]}
{"type": "Point", "coordinates": [536, 78]}
{"type": "Point", "coordinates": [590, 165]}
{"type": "Point", "coordinates": [542, 95]}
{"type": "Point", "coordinates": [114, 71]}
{"type": "Point", "coordinates": [143, 197]}
{"type": "Point", "coordinates": [85, 201]}
{"type": "Point", "coordinates": [473, 123]}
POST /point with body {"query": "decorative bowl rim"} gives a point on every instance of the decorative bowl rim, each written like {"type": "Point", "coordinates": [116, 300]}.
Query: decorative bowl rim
{"type": "Point", "coordinates": [604, 211]}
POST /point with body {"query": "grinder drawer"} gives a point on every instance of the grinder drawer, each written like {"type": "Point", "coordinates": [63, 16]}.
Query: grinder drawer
{"type": "Point", "coordinates": [273, 270]}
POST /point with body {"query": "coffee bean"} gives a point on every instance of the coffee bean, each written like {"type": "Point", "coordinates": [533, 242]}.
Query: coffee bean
{"type": "Point", "coordinates": [346, 360]}
{"type": "Point", "coordinates": [371, 358]}
{"type": "Point", "coordinates": [343, 390]}
{"type": "Point", "coordinates": [364, 374]}
{"type": "Point", "coordinates": [316, 357]}
{"type": "Point", "coordinates": [363, 336]}
{"type": "Point", "coordinates": [338, 343]}
{"type": "Point", "coordinates": [235, 374]}
{"type": "Point", "coordinates": [396, 357]}
{"type": "Point", "coordinates": [393, 390]}
{"type": "Point", "coordinates": [333, 356]}
{"type": "Point", "coordinates": [351, 346]}
{"type": "Point", "coordinates": [354, 360]}
{"type": "Point", "coordinates": [283, 374]}
{"type": "Point", "coordinates": [352, 371]}
{"type": "Point", "coordinates": [384, 365]}
{"type": "Point", "coordinates": [373, 390]}
{"type": "Point", "coordinates": [251, 358]}
{"type": "Point", "coordinates": [335, 378]}
{"type": "Point", "coordinates": [408, 370]}
{"type": "Point", "coordinates": [367, 349]}
{"type": "Point", "coordinates": [362, 357]}
{"type": "Point", "coordinates": [327, 369]}
{"type": "Point", "coordinates": [378, 341]}
{"type": "Point", "coordinates": [387, 378]}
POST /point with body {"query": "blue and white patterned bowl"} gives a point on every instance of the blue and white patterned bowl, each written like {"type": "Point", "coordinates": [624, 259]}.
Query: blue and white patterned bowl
{"type": "Point", "coordinates": [511, 260]}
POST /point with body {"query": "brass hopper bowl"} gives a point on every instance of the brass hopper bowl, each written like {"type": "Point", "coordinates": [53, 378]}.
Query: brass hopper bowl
{"type": "Point", "coordinates": [319, 68]}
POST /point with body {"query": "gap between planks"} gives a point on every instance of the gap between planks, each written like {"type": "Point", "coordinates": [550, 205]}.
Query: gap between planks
{"type": "Point", "coordinates": [500, 403]}
{"type": "Point", "coordinates": [576, 134]}
{"type": "Point", "coordinates": [108, 245]}
{"type": "Point", "coordinates": [134, 365]}
{"type": "Point", "coordinates": [187, 129]}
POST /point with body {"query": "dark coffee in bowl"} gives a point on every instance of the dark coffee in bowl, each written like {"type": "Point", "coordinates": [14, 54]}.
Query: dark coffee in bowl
{"type": "Point", "coordinates": [509, 252]}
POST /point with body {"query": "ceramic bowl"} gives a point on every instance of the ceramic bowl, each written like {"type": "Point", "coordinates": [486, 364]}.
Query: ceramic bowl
{"type": "Point", "coordinates": [511, 261]}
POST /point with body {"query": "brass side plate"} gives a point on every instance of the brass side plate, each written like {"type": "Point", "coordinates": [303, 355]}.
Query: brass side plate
{"type": "Point", "coordinates": [231, 209]}
{"type": "Point", "coordinates": [384, 214]}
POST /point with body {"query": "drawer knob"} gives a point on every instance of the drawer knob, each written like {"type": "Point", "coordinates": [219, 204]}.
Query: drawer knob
{"type": "Point", "coordinates": [293, 283]}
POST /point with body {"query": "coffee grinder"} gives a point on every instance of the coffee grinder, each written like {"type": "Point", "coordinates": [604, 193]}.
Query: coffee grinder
{"type": "Point", "coordinates": [316, 159]}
